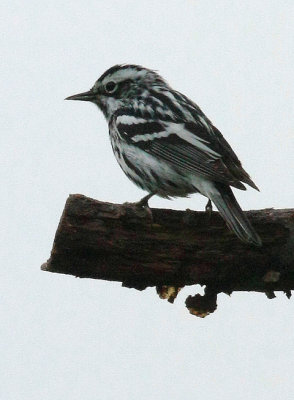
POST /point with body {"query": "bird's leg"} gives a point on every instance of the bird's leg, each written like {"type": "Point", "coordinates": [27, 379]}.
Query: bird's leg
{"type": "Point", "coordinates": [144, 201]}
{"type": "Point", "coordinates": [208, 207]}
{"type": "Point", "coordinates": [142, 207]}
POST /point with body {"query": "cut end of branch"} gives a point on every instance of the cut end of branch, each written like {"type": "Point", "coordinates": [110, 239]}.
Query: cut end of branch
{"type": "Point", "coordinates": [45, 267]}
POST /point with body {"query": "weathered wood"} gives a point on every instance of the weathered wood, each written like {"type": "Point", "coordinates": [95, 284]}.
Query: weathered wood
{"type": "Point", "coordinates": [176, 248]}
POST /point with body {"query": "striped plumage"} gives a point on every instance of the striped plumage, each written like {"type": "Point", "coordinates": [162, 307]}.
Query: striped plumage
{"type": "Point", "coordinates": [166, 145]}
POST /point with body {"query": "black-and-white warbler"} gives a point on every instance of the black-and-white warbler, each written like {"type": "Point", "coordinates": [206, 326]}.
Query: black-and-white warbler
{"type": "Point", "coordinates": [166, 145]}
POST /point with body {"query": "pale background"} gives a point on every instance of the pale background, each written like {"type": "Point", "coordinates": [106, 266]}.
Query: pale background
{"type": "Point", "coordinates": [66, 338]}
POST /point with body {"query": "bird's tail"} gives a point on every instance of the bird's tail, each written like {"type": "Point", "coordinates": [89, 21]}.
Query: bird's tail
{"type": "Point", "coordinates": [229, 209]}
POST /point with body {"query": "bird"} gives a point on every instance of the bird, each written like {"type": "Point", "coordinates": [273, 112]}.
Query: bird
{"type": "Point", "coordinates": [167, 146]}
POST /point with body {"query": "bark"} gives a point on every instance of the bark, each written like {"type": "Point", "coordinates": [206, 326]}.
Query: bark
{"type": "Point", "coordinates": [171, 249]}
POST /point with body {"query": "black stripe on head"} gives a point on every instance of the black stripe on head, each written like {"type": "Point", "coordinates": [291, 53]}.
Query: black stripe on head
{"type": "Point", "coordinates": [110, 71]}
{"type": "Point", "coordinates": [118, 67]}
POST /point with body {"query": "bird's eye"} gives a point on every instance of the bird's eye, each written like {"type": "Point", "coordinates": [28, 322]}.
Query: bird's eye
{"type": "Point", "coordinates": [110, 87]}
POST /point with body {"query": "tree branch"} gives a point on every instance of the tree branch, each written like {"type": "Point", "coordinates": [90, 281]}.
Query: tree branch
{"type": "Point", "coordinates": [171, 249]}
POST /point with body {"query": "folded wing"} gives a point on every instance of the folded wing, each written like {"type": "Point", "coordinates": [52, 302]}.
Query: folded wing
{"type": "Point", "coordinates": [197, 148]}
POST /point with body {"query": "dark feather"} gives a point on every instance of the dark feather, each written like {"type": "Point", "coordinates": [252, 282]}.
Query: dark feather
{"type": "Point", "coordinates": [183, 155]}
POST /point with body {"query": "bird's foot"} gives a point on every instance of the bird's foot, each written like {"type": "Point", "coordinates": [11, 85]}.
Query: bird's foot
{"type": "Point", "coordinates": [143, 203]}
{"type": "Point", "coordinates": [208, 208]}
{"type": "Point", "coordinates": [141, 207]}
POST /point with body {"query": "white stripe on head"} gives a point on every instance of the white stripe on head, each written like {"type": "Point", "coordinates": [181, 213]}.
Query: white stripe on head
{"type": "Point", "coordinates": [126, 73]}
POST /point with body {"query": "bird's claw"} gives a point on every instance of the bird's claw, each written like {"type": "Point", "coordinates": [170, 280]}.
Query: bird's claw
{"type": "Point", "coordinates": [143, 203]}
{"type": "Point", "coordinates": [208, 207]}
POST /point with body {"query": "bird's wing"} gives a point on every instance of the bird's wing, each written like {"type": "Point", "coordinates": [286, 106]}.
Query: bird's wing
{"type": "Point", "coordinates": [186, 145]}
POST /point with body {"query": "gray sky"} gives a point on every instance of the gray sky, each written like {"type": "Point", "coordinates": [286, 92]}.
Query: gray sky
{"type": "Point", "coordinates": [66, 338]}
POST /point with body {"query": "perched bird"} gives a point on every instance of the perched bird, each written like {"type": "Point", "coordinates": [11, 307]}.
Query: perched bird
{"type": "Point", "coordinates": [166, 145]}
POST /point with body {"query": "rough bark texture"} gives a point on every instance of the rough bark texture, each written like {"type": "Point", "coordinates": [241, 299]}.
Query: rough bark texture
{"type": "Point", "coordinates": [173, 249]}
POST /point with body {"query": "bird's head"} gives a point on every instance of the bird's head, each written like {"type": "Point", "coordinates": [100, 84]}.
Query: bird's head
{"type": "Point", "coordinates": [122, 86]}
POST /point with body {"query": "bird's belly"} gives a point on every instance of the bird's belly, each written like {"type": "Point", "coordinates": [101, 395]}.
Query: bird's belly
{"type": "Point", "coordinates": [151, 173]}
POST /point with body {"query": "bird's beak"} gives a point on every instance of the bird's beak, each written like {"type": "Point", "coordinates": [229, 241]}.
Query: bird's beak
{"type": "Point", "coordinates": [86, 96]}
